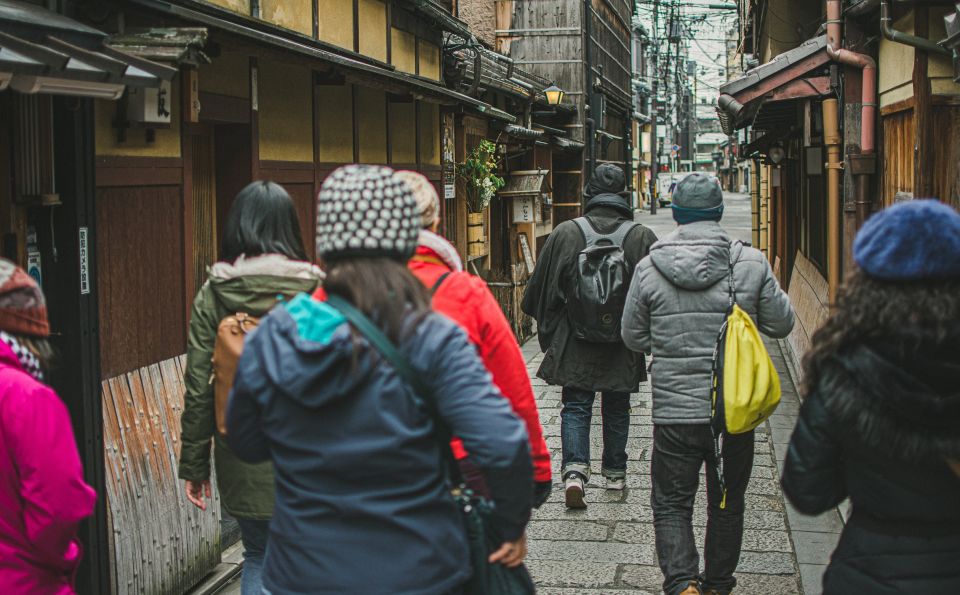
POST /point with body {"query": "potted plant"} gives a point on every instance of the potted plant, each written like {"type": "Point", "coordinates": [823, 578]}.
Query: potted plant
{"type": "Point", "coordinates": [477, 171]}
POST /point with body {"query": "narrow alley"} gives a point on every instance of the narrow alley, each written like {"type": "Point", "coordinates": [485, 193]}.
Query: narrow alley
{"type": "Point", "coordinates": [609, 548]}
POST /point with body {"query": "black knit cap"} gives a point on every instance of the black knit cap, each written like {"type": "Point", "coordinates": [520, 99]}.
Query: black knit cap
{"type": "Point", "coordinates": [364, 210]}
{"type": "Point", "coordinates": [606, 179]}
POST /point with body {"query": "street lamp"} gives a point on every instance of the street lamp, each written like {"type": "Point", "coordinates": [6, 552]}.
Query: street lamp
{"type": "Point", "coordinates": [554, 95]}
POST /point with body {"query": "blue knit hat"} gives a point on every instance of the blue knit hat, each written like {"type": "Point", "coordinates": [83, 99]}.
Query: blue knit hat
{"type": "Point", "coordinates": [910, 241]}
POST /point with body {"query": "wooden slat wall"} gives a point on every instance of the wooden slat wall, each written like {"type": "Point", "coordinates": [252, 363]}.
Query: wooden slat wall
{"type": "Point", "coordinates": [546, 38]}
{"type": "Point", "coordinates": [140, 276]}
{"type": "Point", "coordinates": [946, 183]}
{"type": "Point", "coordinates": [898, 155]}
{"type": "Point", "coordinates": [808, 294]}
{"type": "Point", "coordinates": [160, 543]}
{"type": "Point", "coordinates": [204, 188]}
{"type": "Point", "coordinates": [897, 161]}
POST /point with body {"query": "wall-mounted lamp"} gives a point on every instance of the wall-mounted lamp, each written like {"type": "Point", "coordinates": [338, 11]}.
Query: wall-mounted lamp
{"type": "Point", "coordinates": [554, 95]}
{"type": "Point", "coordinates": [776, 155]}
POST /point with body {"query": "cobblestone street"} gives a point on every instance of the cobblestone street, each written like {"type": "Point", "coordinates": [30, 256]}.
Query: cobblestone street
{"type": "Point", "coordinates": [609, 547]}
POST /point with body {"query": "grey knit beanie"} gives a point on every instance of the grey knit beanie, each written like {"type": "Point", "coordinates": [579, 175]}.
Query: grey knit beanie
{"type": "Point", "coordinates": [698, 191]}
{"type": "Point", "coordinates": [364, 210]}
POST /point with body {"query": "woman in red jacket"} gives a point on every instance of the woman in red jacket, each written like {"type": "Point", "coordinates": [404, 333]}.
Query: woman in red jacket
{"type": "Point", "coordinates": [466, 299]}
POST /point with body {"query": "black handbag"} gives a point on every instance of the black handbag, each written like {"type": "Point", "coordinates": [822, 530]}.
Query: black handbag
{"type": "Point", "coordinates": [487, 579]}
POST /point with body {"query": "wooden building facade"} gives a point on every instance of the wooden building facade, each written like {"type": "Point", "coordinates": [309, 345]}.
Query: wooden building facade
{"type": "Point", "coordinates": [584, 47]}
{"type": "Point", "coordinates": [916, 153]}
{"type": "Point", "coordinates": [241, 90]}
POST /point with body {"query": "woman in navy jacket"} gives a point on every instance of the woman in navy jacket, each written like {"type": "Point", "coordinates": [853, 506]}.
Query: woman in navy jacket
{"type": "Point", "coordinates": [362, 505]}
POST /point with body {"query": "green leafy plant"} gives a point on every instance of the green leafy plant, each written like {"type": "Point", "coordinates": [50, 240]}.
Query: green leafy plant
{"type": "Point", "coordinates": [477, 170]}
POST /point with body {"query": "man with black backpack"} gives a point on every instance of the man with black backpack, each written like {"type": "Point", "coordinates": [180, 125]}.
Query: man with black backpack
{"type": "Point", "coordinates": [576, 294]}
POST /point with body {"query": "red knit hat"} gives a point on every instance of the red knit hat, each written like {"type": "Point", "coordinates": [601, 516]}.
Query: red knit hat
{"type": "Point", "coordinates": [23, 311]}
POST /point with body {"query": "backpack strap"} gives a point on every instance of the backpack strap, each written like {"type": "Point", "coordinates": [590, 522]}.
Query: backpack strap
{"type": "Point", "coordinates": [422, 395]}
{"type": "Point", "coordinates": [439, 282]}
{"type": "Point", "coordinates": [618, 236]}
{"type": "Point", "coordinates": [592, 236]}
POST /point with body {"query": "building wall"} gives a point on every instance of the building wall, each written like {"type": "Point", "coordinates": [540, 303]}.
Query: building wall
{"type": "Point", "coordinates": [336, 26]}
{"type": "Point", "coordinates": [296, 15]}
{"type": "Point", "coordinates": [898, 130]}
{"type": "Point", "coordinates": [481, 15]}
{"type": "Point", "coordinates": [780, 27]}
{"type": "Point", "coordinates": [286, 113]}
{"type": "Point", "coordinates": [895, 72]}
{"type": "Point", "coordinates": [166, 141]}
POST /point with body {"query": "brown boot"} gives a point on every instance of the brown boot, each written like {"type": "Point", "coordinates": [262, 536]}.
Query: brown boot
{"type": "Point", "coordinates": [693, 589]}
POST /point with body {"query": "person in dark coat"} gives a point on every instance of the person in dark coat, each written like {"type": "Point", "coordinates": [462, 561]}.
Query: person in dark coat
{"type": "Point", "coordinates": [584, 368]}
{"type": "Point", "coordinates": [879, 423]}
{"type": "Point", "coordinates": [362, 505]}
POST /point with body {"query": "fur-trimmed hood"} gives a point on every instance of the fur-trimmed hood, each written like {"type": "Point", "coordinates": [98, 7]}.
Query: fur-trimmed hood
{"type": "Point", "coordinates": [902, 400]}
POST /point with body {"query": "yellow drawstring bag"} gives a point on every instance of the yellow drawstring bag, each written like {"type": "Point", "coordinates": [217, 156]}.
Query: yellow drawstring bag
{"type": "Point", "coordinates": [746, 387]}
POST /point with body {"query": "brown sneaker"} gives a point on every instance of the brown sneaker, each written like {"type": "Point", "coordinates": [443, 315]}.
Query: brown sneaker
{"type": "Point", "coordinates": [693, 589]}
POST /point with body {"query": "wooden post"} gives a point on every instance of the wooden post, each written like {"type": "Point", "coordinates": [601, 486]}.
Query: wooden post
{"type": "Point", "coordinates": [924, 135]}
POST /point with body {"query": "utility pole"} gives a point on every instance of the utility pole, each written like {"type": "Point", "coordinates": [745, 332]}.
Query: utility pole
{"type": "Point", "coordinates": [654, 150]}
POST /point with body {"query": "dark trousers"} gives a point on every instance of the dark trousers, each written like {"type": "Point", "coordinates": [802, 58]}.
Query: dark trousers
{"type": "Point", "coordinates": [575, 418]}
{"type": "Point", "coordinates": [679, 451]}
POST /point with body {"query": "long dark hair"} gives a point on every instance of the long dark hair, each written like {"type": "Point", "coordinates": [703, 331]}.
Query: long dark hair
{"type": "Point", "coordinates": [262, 220]}
{"type": "Point", "coordinates": [870, 311]}
{"type": "Point", "coordinates": [383, 289]}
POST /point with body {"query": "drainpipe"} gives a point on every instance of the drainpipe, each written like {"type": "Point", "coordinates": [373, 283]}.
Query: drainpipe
{"type": "Point", "coordinates": [863, 166]}
{"type": "Point", "coordinates": [831, 137]}
{"type": "Point", "coordinates": [755, 204]}
{"type": "Point", "coordinates": [906, 39]}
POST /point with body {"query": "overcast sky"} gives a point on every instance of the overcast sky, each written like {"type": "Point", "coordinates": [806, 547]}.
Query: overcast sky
{"type": "Point", "coordinates": [708, 30]}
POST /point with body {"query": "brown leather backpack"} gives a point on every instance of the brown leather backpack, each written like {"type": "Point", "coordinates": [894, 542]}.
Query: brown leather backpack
{"type": "Point", "coordinates": [231, 333]}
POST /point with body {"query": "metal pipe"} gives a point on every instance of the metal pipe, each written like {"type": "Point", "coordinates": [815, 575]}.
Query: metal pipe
{"type": "Point", "coordinates": [755, 204]}
{"type": "Point", "coordinates": [868, 113]}
{"type": "Point", "coordinates": [905, 38]}
{"type": "Point", "coordinates": [834, 166]}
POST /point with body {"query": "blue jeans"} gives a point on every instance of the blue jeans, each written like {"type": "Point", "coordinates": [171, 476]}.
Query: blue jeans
{"type": "Point", "coordinates": [254, 535]}
{"type": "Point", "coordinates": [575, 420]}
{"type": "Point", "coordinates": [679, 451]}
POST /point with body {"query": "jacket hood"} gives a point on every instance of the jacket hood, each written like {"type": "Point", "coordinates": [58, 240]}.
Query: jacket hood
{"type": "Point", "coordinates": [436, 246]}
{"type": "Point", "coordinates": [618, 202]}
{"type": "Point", "coordinates": [695, 256]}
{"type": "Point", "coordinates": [901, 399]}
{"type": "Point", "coordinates": [308, 353]}
{"type": "Point", "coordinates": [253, 284]}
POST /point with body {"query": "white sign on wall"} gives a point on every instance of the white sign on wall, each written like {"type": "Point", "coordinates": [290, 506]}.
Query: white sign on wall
{"type": "Point", "coordinates": [149, 105]}
{"type": "Point", "coordinates": [524, 209]}
{"type": "Point", "coordinates": [84, 262]}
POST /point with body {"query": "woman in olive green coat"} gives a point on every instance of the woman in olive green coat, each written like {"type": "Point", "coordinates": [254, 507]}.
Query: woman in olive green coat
{"type": "Point", "coordinates": [262, 261]}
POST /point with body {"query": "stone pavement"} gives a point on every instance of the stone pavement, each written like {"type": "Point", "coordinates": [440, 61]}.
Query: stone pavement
{"type": "Point", "coordinates": [609, 547]}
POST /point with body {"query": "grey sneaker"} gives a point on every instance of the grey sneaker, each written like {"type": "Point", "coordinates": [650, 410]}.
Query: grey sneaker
{"type": "Point", "coordinates": [573, 491]}
{"type": "Point", "coordinates": [616, 483]}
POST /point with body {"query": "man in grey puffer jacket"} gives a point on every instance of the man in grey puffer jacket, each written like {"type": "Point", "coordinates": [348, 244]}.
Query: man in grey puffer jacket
{"type": "Point", "coordinates": [677, 302]}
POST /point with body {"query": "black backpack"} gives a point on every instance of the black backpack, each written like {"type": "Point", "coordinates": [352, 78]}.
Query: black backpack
{"type": "Point", "coordinates": [600, 282]}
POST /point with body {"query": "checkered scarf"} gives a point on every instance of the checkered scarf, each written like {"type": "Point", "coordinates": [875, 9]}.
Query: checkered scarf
{"type": "Point", "coordinates": [26, 357]}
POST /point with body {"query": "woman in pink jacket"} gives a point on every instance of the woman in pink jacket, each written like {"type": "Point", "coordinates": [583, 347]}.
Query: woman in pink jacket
{"type": "Point", "coordinates": [43, 496]}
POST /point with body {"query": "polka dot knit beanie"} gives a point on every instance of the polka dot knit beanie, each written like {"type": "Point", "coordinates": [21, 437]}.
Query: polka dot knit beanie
{"type": "Point", "coordinates": [364, 210]}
